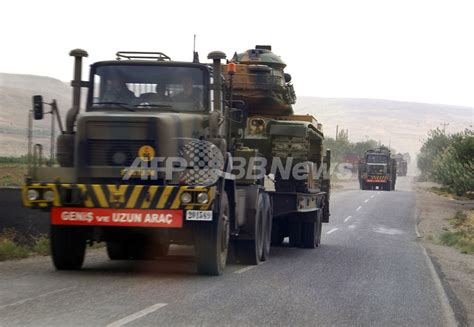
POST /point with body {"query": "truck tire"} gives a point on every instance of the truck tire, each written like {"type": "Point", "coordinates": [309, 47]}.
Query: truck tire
{"type": "Point", "coordinates": [268, 222]}
{"type": "Point", "coordinates": [295, 233]}
{"type": "Point", "coordinates": [312, 232]}
{"type": "Point", "coordinates": [117, 251]}
{"type": "Point", "coordinates": [68, 247]}
{"type": "Point", "coordinates": [250, 252]}
{"type": "Point", "coordinates": [212, 241]}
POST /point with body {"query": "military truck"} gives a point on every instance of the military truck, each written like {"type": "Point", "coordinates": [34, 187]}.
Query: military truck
{"type": "Point", "coordinates": [402, 165]}
{"type": "Point", "coordinates": [377, 170]}
{"type": "Point", "coordinates": [156, 158]}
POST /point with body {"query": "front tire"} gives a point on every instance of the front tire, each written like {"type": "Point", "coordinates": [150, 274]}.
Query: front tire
{"type": "Point", "coordinates": [68, 247]}
{"type": "Point", "coordinates": [212, 241]}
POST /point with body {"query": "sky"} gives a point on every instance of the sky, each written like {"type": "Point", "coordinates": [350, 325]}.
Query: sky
{"type": "Point", "coordinates": [420, 51]}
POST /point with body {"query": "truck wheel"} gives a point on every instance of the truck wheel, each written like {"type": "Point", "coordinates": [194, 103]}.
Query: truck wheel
{"type": "Point", "coordinates": [295, 233]}
{"type": "Point", "coordinates": [277, 235]}
{"type": "Point", "coordinates": [249, 252]}
{"type": "Point", "coordinates": [268, 221]}
{"type": "Point", "coordinates": [68, 247]}
{"type": "Point", "coordinates": [212, 241]}
{"type": "Point", "coordinates": [312, 232]}
{"type": "Point", "coordinates": [117, 251]}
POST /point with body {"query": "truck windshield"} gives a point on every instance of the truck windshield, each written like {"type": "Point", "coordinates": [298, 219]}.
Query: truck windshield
{"type": "Point", "coordinates": [148, 87]}
{"type": "Point", "coordinates": [375, 158]}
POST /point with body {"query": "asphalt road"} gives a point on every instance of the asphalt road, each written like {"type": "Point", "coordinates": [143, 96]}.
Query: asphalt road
{"type": "Point", "coordinates": [369, 271]}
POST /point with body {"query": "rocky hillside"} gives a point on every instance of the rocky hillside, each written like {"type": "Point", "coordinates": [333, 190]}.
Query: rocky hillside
{"type": "Point", "coordinates": [403, 124]}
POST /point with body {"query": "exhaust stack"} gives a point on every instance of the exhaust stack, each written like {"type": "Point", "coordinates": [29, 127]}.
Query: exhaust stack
{"type": "Point", "coordinates": [216, 57]}
{"type": "Point", "coordinates": [76, 84]}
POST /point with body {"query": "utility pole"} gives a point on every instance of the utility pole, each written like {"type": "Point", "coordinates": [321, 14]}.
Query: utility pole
{"type": "Point", "coordinates": [337, 131]}
{"type": "Point", "coordinates": [444, 127]}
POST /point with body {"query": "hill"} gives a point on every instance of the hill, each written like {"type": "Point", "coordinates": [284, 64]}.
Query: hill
{"type": "Point", "coordinates": [401, 124]}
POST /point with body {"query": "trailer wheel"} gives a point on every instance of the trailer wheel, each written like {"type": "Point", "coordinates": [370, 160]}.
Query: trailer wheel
{"type": "Point", "coordinates": [312, 232]}
{"type": "Point", "coordinates": [268, 221]}
{"type": "Point", "coordinates": [212, 241]}
{"type": "Point", "coordinates": [68, 247]}
{"type": "Point", "coordinates": [250, 252]}
{"type": "Point", "coordinates": [117, 251]}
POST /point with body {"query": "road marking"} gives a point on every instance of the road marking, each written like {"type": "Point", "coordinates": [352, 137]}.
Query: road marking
{"type": "Point", "coordinates": [448, 310]}
{"type": "Point", "coordinates": [388, 231]}
{"type": "Point", "coordinates": [332, 230]}
{"type": "Point", "coordinates": [244, 269]}
{"type": "Point", "coordinates": [372, 196]}
{"type": "Point", "coordinates": [366, 201]}
{"type": "Point", "coordinates": [347, 219]}
{"type": "Point", "coordinates": [358, 208]}
{"type": "Point", "coordinates": [36, 297]}
{"type": "Point", "coordinates": [137, 315]}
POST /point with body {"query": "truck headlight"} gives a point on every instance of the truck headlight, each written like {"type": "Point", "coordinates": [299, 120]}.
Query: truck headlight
{"type": "Point", "coordinates": [186, 198]}
{"type": "Point", "coordinates": [49, 196]}
{"type": "Point", "coordinates": [202, 198]}
{"type": "Point", "coordinates": [32, 195]}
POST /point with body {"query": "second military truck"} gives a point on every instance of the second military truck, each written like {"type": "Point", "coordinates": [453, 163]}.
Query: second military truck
{"type": "Point", "coordinates": [377, 170]}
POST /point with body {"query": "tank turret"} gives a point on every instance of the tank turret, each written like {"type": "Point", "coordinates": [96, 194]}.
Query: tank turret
{"type": "Point", "coordinates": [260, 82]}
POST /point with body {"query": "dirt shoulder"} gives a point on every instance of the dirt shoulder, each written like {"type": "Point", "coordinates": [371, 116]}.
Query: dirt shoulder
{"type": "Point", "coordinates": [433, 214]}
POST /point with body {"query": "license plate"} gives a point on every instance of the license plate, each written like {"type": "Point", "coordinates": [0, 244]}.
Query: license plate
{"type": "Point", "coordinates": [199, 215]}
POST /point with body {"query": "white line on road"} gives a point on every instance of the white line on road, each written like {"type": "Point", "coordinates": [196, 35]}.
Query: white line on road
{"type": "Point", "coordinates": [372, 196]}
{"type": "Point", "coordinates": [36, 297]}
{"type": "Point", "coordinates": [137, 315]}
{"type": "Point", "coordinates": [332, 230]}
{"type": "Point", "coordinates": [366, 201]}
{"type": "Point", "coordinates": [448, 310]}
{"type": "Point", "coordinates": [347, 219]}
{"type": "Point", "coordinates": [244, 269]}
{"type": "Point", "coordinates": [358, 208]}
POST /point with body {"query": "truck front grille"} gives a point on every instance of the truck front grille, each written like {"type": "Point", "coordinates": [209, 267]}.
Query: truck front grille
{"type": "Point", "coordinates": [113, 152]}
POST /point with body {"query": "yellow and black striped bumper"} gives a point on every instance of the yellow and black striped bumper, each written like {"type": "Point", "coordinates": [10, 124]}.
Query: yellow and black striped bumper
{"type": "Point", "coordinates": [121, 196]}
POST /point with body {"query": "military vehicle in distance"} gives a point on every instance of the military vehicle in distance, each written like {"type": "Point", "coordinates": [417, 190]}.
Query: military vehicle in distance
{"type": "Point", "coordinates": [402, 165]}
{"type": "Point", "coordinates": [144, 108]}
{"type": "Point", "coordinates": [377, 170]}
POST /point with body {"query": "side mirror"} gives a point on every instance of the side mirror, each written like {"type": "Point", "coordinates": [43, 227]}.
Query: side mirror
{"type": "Point", "coordinates": [38, 107]}
{"type": "Point", "coordinates": [287, 78]}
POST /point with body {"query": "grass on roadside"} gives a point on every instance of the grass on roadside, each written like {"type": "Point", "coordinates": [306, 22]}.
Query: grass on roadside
{"type": "Point", "coordinates": [12, 174]}
{"type": "Point", "coordinates": [14, 246]}
{"type": "Point", "coordinates": [461, 234]}
{"type": "Point", "coordinates": [11, 249]}
{"type": "Point", "coordinates": [444, 191]}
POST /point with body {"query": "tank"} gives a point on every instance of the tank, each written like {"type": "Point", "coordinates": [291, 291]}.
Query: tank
{"type": "Point", "coordinates": [260, 81]}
